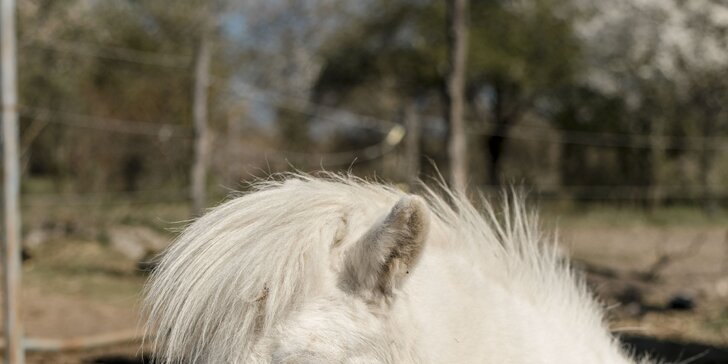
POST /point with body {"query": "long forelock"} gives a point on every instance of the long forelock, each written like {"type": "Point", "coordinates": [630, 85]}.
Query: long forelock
{"type": "Point", "coordinates": [238, 270]}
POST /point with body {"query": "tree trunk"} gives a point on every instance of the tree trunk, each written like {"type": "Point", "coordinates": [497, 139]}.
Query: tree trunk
{"type": "Point", "coordinates": [233, 169]}
{"type": "Point", "coordinates": [202, 138]}
{"type": "Point", "coordinates": [494, 142]}
{"type": "Point", "coordinates": [657, 159]}
{"type": "Point", "coordinates": [457, 145]}
{"type": "Point", "coordinates": [706, 158]}
{"type": "Point", "coordinates": [412, 145]}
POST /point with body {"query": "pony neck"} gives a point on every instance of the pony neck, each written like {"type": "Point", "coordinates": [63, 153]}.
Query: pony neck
{"type": "Point", "coordinates": [461, 314]}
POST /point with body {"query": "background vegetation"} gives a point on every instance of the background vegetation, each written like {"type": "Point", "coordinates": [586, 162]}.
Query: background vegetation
{"type": "Point", "coordinates": [581, 100]}
{"type": "Point", "coordinates": [613, 114]}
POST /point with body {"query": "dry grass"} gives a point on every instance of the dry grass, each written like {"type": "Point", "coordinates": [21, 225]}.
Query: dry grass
{"type": "Point", "coordinates": [81, 286]}
{"type": "Point", "coordinates": [650, 258]}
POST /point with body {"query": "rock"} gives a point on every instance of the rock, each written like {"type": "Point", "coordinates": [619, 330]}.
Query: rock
{"type": "Point", "coordinates": [632, 300]}
{"type": "Point", "coordinates": [721, 287]}
{"type": "Point", "coordinates": [630, 294]}
{"type": "Point", "coordinates": [633, 309]}
{"type": "Point", "coordinates": [35, 238]}
{"type": "Point", "coordinates": [47, 231]}
{"type": "Point", "coordinates": [24, 255]}
{"type": "Point", "coordinates": [681, 302]}
{"type": "Point", "coordinates": [136, 242]}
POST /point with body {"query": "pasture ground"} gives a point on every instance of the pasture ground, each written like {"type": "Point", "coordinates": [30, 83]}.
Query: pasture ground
{"type": "Point", "coordinates": [635, 261]}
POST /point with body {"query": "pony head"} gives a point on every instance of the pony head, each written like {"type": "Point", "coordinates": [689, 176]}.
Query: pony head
{"type": "Point", "coordinates": [353, 323]}
{"type": "Point", "coordinates": [339, 270]}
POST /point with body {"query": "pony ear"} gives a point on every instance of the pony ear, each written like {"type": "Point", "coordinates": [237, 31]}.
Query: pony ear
{"type": "Point", "coordinates": [386, 253]}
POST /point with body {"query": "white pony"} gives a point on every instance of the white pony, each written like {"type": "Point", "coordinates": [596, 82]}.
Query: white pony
{"type": "Point", "coordinates": [339, 270]}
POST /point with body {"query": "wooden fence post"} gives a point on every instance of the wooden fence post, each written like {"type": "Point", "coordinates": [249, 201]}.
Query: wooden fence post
{"type": "Point", "coordinates": [412, 144]}
{"type": "Point", "coordinates": [13, 328]}
{"type": "Point", "coordinates": [457, 35]}
{"type": "Point", "coordinates": [202, 138]}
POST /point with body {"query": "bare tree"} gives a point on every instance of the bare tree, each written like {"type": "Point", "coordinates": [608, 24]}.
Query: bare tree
{"type": "Point", "coordinates": [457, 32]}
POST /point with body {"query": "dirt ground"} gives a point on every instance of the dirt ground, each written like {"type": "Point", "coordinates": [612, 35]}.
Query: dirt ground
{"type": "Point", "coordinates": [647, 273]}
{"type": "Point", "coordinates": [650, 277]}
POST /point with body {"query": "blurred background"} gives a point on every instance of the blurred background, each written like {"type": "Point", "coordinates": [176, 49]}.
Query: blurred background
{"type": "Point", "coordinates": [135, 115]}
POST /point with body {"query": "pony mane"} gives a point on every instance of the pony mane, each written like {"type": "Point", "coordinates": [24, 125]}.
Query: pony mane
{"type": "Point", "coordinates": [237, 271]}
{"type": "Point", "coordinates": [509, 246]}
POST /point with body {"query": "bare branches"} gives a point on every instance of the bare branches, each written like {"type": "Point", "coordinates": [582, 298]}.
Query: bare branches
{"type": "Point", "coordinates": [667, 258]}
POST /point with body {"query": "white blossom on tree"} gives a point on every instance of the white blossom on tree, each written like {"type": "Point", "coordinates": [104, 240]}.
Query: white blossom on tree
{"type": "Point", "coordinates": [651, 39]}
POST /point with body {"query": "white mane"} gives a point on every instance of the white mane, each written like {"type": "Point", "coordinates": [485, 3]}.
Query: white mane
{"type": "Point", "coordinates": [236, 272]}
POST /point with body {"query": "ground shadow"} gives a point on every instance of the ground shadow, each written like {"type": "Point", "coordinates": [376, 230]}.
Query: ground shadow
{"type": "Point", "coordinates": [667, 350]}
{"type": "Point", "coordinates": [676, 351]}
{"type": "Point", "coordinates": [119, 359]}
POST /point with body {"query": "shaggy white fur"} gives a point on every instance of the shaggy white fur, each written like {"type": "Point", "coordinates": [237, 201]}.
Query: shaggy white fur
{"type": "Point", "coordinates": [339, 270]}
